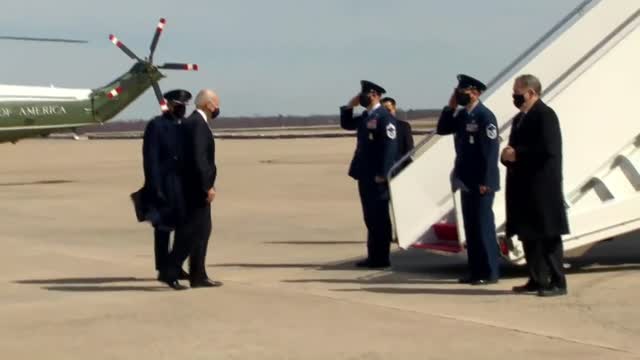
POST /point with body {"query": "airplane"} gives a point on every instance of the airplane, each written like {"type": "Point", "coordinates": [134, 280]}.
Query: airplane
{"type": "Point", "coordinates": [32, 111]}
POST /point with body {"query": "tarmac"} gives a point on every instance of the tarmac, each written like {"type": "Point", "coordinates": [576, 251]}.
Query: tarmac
{"type": "Point", "coordinates": [78, 279]}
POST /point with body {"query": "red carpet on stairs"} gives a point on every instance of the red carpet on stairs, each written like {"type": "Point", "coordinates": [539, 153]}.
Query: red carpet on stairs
{"type": "Point", "coordinates": [447, 239]}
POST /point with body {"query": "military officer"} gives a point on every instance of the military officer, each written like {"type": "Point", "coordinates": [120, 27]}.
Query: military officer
{"type": "Point", "coordinates": [376, 152]}
{"type": "Point", "coordinates": [405, 134]}
{"type": "Point", "coordinates": [163, 187]}
{"type": "Point", "coordinates": [476, 172]}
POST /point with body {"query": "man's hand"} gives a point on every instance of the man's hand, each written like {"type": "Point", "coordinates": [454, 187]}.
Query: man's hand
{"type": "Point", "coordinates": [484, 189]}
{"type": "Point", "coordinates": [509, 154]}
{"type": "Point", "coordinates": [211, 194]}
{"type": "Point", "coordinates": [380, 180]}
{"type": "Point", "coordinates": [355, 101]}
{"type": "Point", "coordinates": [453, 103]}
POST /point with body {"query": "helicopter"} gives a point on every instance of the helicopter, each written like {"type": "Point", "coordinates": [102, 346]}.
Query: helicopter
{"type": "Point", "coordinates": [32, 111]}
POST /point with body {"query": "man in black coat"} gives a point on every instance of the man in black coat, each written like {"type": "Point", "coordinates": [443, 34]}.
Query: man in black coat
{"type": "Point", "coordinates": [162, 192]}
{"type": "Point", "coordinates": [200, 174]}
{"type": "Point", "coordinates": [376, 152]}
{"type": "Point", "coordinates": [536, 210]}
{"type": "Point", "coordinates": [405, 134]}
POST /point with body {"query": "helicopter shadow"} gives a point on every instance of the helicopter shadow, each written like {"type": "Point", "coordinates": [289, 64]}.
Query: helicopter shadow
{"type": "Point", "coordinates": [38, 182]}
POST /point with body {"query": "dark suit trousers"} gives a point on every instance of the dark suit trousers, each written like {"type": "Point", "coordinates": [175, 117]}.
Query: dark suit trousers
{"type": "Point", "coordinates": [375, 206]}
{"type": "Point", "coordinates": [544, 261]}
{"type": "Point", "coordinates": [192, 239]}
{"type": "Point", "coordinates": [480, 231]}
{"type": "Point", "coordinates": [161, 248]}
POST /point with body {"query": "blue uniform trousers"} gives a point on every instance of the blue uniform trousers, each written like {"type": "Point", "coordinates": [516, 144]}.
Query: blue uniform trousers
{"type": "Point", "coordinates": [375, 207]}
{"type": "Point", "coordinates": [480, 231]}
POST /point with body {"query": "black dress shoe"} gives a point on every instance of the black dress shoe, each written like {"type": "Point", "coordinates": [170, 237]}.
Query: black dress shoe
{"type": "Point", "coordinates": [484, 282]}
{"type": "Point", "coordinates": [526, 288]}
{"type": "Point", "coordinates": [552, 291]}
{"type": "Point", "coordinates": [205, 283]}
{"type": "Point", "coordinates": [466, 280]}
{"type": "Point", "coordinates": [174, 284]}
{"type": "Point", "coordinates": [183, 275]}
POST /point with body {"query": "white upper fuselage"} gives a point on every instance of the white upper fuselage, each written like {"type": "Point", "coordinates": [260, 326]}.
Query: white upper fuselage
{"type": "Point", "coordinates": [10, 93]}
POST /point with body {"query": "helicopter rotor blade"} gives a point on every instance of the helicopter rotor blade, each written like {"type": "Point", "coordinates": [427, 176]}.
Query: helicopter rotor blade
{"type": "Point", "coordinates": [179, 66]}
{"type": "Point", "coordinates": [24, 38]}
{"type": "Point", "coordinates": [123, 47]}
{"type": "Point", "coordinates": [161, 100]}
{"type": "Point", "coordinates": [156, 37]}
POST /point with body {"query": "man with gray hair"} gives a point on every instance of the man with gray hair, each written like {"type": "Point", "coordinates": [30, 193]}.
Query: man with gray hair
{"type": "Point", "coordinates": [200, 174]}
{"type": "Point", "coordinates": [535, 199]}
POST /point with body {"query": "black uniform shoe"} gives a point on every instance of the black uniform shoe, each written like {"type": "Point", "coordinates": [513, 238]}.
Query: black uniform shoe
{"type": "Point", "coordinates": [205, 283]}
{"type": "Point", "coordinates": [466, 280]}
{"type": "Point", "coordinates": [552, 291]}
{"type": "Point", "coordinates": [530, 286]}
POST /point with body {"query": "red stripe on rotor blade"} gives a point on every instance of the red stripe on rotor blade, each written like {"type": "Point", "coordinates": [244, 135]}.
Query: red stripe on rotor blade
{"type": "Point", "coordinates": [163, 105]}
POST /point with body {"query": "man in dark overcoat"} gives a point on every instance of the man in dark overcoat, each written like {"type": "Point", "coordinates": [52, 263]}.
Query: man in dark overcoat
{"type": "Point", "coordinates": [536, 210]}
{"type": "Point", "coordinates": [162, 193]}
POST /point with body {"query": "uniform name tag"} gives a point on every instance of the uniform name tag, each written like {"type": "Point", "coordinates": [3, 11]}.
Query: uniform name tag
{"type": "Point", "coordinates": [473, 127]}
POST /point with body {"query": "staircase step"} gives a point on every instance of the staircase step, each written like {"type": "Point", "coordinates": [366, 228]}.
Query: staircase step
{"type": "Point", "coordinates": [444, 246]}
{"type": "Point", "coordinates": [446, 231]}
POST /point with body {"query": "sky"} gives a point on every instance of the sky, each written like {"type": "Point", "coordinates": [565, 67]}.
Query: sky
{"type": "Point", "coordinates": [276, 57]}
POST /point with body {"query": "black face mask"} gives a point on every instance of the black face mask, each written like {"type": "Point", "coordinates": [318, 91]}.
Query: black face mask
{"type": "Point", "coordinates": [463, 99]}
{"type": "Point", "coordinates": [179, 111]}
{"type": "Point", "coordinates": [364, 100]}
{"type": "Point", "coordinates": [215, 113]}
{"type": "Point", "coordinates": [518, 100]}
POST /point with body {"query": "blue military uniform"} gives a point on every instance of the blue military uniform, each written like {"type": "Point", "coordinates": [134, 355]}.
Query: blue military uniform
{"type": "Point", "coordinates": [375, 154]}
{"type": "Point", "coordinates": [162, 193]}
{"type": "Point", "coordinates": [476, 165]}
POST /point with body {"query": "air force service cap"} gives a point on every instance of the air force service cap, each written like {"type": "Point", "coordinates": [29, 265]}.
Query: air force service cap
{"type": "Point", "coordinates": [367, 86]}
{"type": "Point", "coordinates": [178, 96]}
{"type": "Point", "coordinates": [467, 82]}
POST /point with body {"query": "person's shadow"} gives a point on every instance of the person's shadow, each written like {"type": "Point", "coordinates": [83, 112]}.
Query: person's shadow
{"type": "Point", "coordinates": [94, 284]}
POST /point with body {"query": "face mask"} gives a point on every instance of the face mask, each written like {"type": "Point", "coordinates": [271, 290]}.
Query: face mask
{"type": "Point", "coordinates": [179, 111]}
{"type": "Point", "coordinates": [364, 100]}
{"type": "Point", "coordinates": [463, 99]}
{"type": "Point", "coordinates": [215, 113]}
{"type": "Point", "coordinates": [518, 100]}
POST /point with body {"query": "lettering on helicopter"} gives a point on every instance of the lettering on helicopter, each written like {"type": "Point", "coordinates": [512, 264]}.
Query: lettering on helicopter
{"type": "Point", "coordinates": [4, 112]}
{"type": "Point", "coordinates": [42, 110]}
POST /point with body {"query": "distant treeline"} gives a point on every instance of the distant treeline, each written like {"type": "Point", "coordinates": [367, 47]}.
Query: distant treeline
{"type": "Point", "coordinates": [257, 122]}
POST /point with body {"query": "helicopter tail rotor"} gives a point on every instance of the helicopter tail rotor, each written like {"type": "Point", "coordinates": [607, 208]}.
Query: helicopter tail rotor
{"type": "Point", "coordinates": [151, 68]}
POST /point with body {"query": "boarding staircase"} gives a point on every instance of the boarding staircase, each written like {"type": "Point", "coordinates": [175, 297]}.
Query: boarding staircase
{"type": "Point", "coordinates": [588, 66]}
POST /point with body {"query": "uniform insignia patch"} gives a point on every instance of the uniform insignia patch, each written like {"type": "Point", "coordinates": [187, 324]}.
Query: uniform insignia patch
{"type": "Point", "coordinates": [492, 132]}
{"type": "Point", "coordinates": [391, 131]}
{"type": "Point", "coordinates": [372, 124]}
